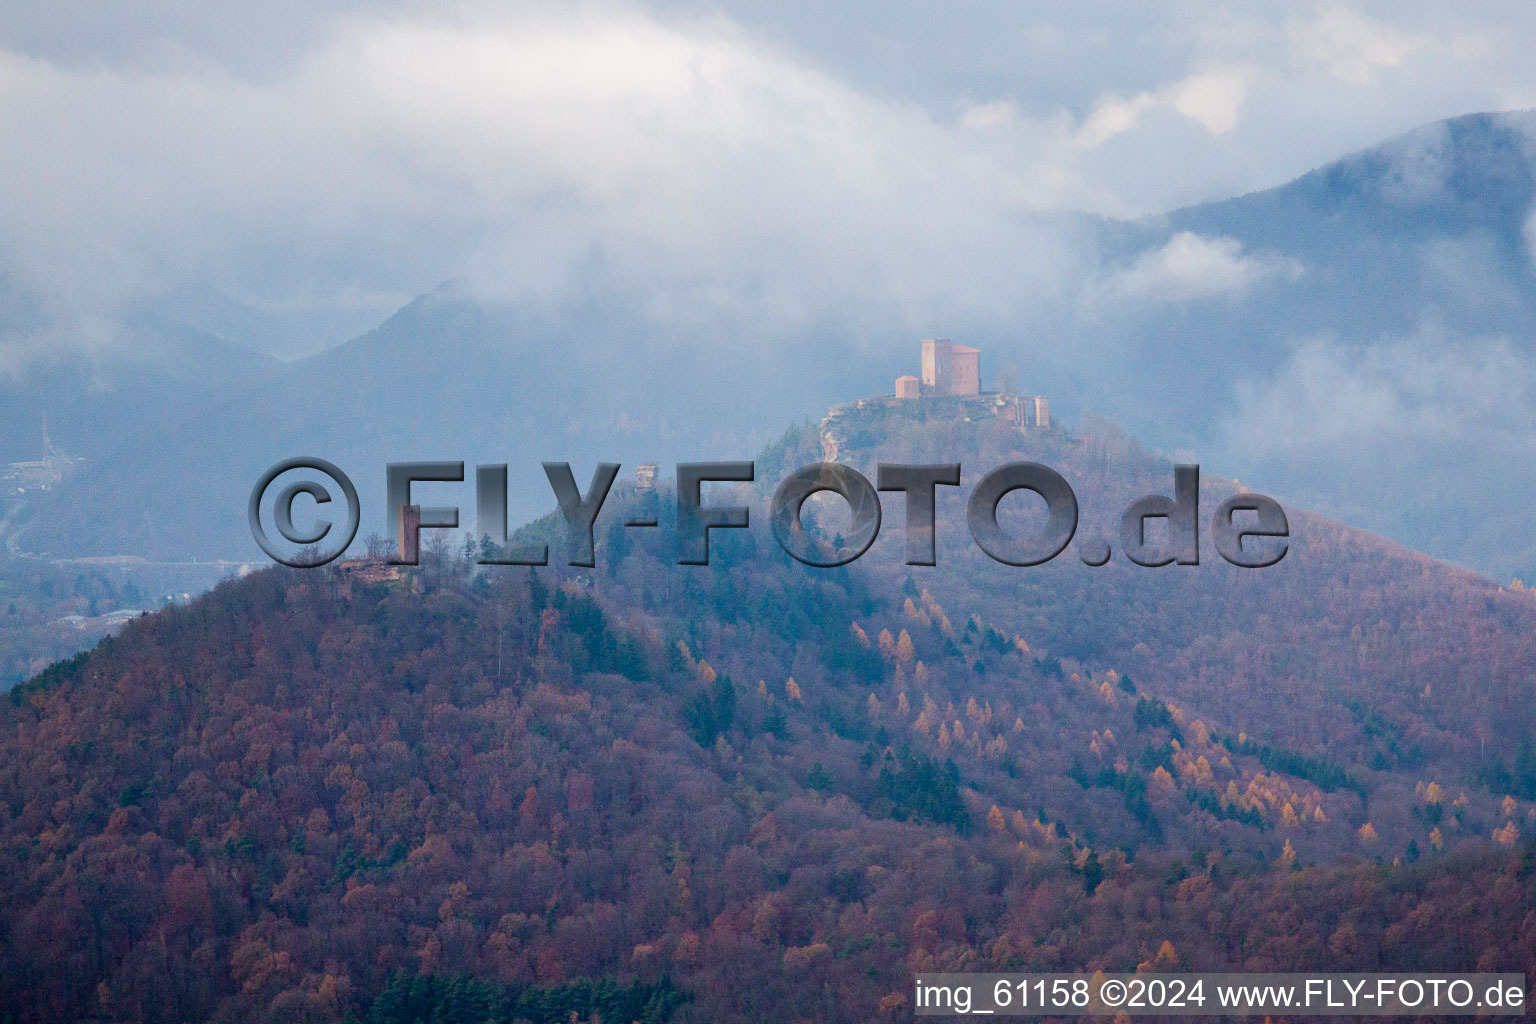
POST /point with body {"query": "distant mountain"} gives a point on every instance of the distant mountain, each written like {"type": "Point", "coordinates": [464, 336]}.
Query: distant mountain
{"type": "Point", "coordinates": [761, 791]}
{"type": "Point", "coordinates": [100, 384]}
{"type": "Point", "coordinates": [444, 378]}
{"type": "Point", "coordinates": [1359, 338]}
{"type": "Point", "coordinates": [1356, 340]}
{"type": "Point", "coordinates": [1469, 175]}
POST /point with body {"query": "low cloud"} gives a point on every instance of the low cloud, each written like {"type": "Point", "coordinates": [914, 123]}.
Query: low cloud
{"type": "Point", "coordinates": [330, 162]}
{"type": "Point", "coordinates": [1191, 267]}
{"type": "Point", "coordinates": [524, 157]}
{"type": "Point", "coordinates": [1112, 116]}
{"type": "Point", "coordinates": [1351, 47]}
{"type": "Point", "coordinates": [1211, 100]}
{"type": "Point", "coordinates": [1420, 437]}
{"type": "Point", "coordinates": [1431, 388]}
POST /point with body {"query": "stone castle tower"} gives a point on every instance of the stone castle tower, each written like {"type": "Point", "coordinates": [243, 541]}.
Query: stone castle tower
{"type": "Point", "coordinates": [950, 369]}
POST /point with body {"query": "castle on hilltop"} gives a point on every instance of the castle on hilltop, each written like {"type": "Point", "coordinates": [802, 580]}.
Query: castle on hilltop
{"type": "Point", "coordinates": [955, 370]}
{"type": "Point", "coordinates": [949, 389]}
{"type": "Point", "coordinates": [948, 369]}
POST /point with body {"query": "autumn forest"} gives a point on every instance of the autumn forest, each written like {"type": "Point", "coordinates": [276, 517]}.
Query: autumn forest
{"type": "Point", "coordinates": [760, 791]}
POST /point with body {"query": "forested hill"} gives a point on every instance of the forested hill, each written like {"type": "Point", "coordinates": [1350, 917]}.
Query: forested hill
{"type": "Point", "coordinates": [760, 791]}
{"type": "Point", "coordinates": [1352, 646]}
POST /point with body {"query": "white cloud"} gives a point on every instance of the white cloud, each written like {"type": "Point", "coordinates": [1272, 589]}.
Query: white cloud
{"type": "Point", "coordinates": [1420, 436]}
{"type": "Point", "coordinates": [1211, 99]}
{"type": "Point", "coordinates": [790, 159]}
{"type": "Point", "coordinates": [1405, 395]}
{"type": "Point", "coordinates": [1112, 116]}
{"type": "Point", "coordinates": [980, 116]}
{"type": "Point", "coordinates": [1190, 267]}
{"type": "Point", "coordinates": [1350, 47]}
{"type": "Point", "coordinates": [690, 161]}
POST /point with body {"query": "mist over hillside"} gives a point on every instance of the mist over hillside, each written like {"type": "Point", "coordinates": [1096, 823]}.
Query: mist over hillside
{"type": "Point", "coordinates": [1362, 343]}
{"type": "Point", "coordinates": [1356, 341]}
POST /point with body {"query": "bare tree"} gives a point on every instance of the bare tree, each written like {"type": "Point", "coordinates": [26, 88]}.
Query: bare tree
{"type": "Point", "coordinates": [437, 549]}
{"type": "Point", "coordinates": [1008, 380]}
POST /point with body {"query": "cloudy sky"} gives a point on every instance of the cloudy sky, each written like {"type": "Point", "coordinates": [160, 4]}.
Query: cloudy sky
{"type": "Point", "coordinates": [325, 162]}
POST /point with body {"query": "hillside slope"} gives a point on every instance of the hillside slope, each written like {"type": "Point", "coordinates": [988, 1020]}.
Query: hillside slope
{"type": "Point", "coordinates": [771, 791]}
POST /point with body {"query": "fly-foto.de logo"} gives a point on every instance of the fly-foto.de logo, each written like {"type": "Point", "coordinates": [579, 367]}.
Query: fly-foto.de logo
{"type": "Point", "coordinates": [1249, 530]}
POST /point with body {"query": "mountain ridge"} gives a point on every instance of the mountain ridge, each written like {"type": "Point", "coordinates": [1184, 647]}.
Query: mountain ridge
{"type": "Point", "coordinates": [784, 789]}
{"type": "Point", "coordinates": [1339, 358]}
